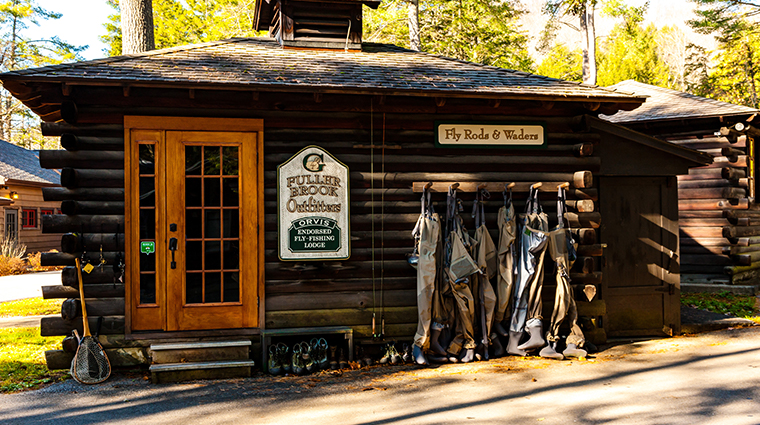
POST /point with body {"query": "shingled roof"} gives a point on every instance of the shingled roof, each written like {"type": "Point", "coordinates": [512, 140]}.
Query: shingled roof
{"type": "Point", "coordinates": [667, 104]}
{"type": "Point", "coordinates": [260, 63]}
{"type": "Point", "coordinates": [17, 163]}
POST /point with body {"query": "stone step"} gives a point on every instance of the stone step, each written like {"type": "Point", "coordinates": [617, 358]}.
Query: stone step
{"type": "Point", "coordinates": [176, 372]}
{"type": "Point", "coordinates": [714, 288]}
{"type": "Point", "coordinates": [203, 351]}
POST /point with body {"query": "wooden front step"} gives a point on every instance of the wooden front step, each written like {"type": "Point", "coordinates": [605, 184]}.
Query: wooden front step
{"type": "Point", "coordinates": [194, 352]}
{"type": "Point", "coordinates": [176, 372]}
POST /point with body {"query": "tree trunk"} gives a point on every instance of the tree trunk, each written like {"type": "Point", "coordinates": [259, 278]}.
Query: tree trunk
{"type": "Point", "coordinates": [136, 26]}
{"type": "Point", "coordinates": [590, 78]}
{"type": "Point", "coordinates": [414, 25]}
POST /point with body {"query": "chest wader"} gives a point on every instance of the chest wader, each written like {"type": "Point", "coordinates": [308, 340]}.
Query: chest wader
{"type": "Point", "coordinates": [506, 262]}
{"type": "Point", "coordinates": [485, 257]}
{"type": "Point", "coordinates": [460, 269]}
{"type": "Point", "coordinates": [526, 315]}
{"type": "Point", "coordinates": [428, 231]}
{"type": "Point", "coordinates": [562, 251]}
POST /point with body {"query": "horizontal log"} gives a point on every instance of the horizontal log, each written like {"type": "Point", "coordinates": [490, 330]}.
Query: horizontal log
{"type": "Point", "coordinates": [700, 214]}
{"type": "Point", "coordinates": [58, 129]}
{"type": "Point", "coordinates": [410, 177]}
{"type": "Point", "coordinates": [730, 173]}
{"type": "Point", "coordinates": [749, 276]}
{"type": "Point", "coordinates": [722, 161]}
{"type": "Point", "coordinates": [737, 231]}
{"type": "Point", "coordinates": [745, 241]}
{"type": "Point", "coordinates": [594, 278]}
{"type": "Point", "coordinates": [72, 307]}
{"type": "Point", "coordinates": [707, 143]}
{"type": "Point", "coordinates": [50, 292]}
{"type": "Point", "coordinates": [592, 219]}
{"type": "Point", "coordinates": [66, 259]}
{"type": "Point", "coordinates": [584, 236]}
{"type": "Point", "coordinates": [55, 159]}
{"type": "Point", "coordinates": [697, 184]}
{"type": "Point", "coordinates": [55, 326]}
{"type": "Point", "coordinates": [734, 250]}
{"type": "Point", "coordinates": [584, 265]}
{"type": "Point", "coordinates": [69, 111]}
{"type": "Point", "coordinates": [336, 317]}
{"type": "Point", "coordinates": [341, 300]}
{"type": "Point", "coordinates": [72, 142]}
{"type": "Point", "coordinates": [701, 174]}
{"type": "Point", "coordinates": [590, 250]}
{"type": "Point", "coordinates": [74, 178]}
{"type": "Point", "coordinates": [70, 207]}
{"type": "Point", "coordinates": [731, 152]}
{"type": "Point", "coordinates": [747, 258]}
{"type": "Point", "coordinates": [701, 269]}
{"type": "Point", "coordinates": [702, 232]}
{"type": "Point", "coordinates": [706, 241]}
{"type": "Point", "coordinates": [60, 194]}
{"type": "Point", "coordinates": [733, 270]}
{"type": "Point", "coordinates": [703, 222]}
{"type": "Point", "coordinates": [735, 215]}
{"type": "Point", "coordinates": [78, 242]}
{"type": "Point", "coordinates": [583, 149]}
{"type": "Point", "coordinates": [595, 308]}
{"type": "Point", "coordinates": [713, 192]}
{"type": "Point", "coordinates": [99, 276]}
{"type": "Point", "coordinates": [703, 250]}
{"type": "Point", "coordinates": [706, 260]}
{"type": "Point", "coordinates": [59, 223]}
{"type": "Point", "coordinates": [584, 205]}
{"type": "Point", "coordinates": [712, 204]}
{"type": "Point", "coordinates": [118, 357]}
{"type": "Point", "coordinates": [313, 285]}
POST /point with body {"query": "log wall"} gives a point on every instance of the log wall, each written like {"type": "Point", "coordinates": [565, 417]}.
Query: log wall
{"type": "Point", "coordinates": [717, 215]}
{"type": "Point", "coordinates": [326, 293]}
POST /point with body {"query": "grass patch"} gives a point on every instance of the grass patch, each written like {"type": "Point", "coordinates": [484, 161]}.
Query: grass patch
{"type": "Point", "coordinates": [30, 307]}
{"type": "Point", "coordinates": [722, 302]}
{"type": "Point", "coordinates": [22, 359]}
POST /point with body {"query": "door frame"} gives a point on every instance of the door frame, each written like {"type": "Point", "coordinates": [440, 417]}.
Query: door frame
{"type": "Point", "coordinates": [162, 124]}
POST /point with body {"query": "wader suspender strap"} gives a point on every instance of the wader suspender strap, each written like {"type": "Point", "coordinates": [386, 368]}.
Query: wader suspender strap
{"type": "Point", "coordinates": [561, 206]}
{"type": "Point", "coordinates": [533, 206]}
{"type": "Point", "coordinates": [507, 196]}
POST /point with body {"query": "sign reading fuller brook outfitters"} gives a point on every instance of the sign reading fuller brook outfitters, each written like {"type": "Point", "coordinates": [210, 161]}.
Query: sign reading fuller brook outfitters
{"type": "Point", "coordinates": [312, 201]}
{"type": "Point", "coordinates": [489, 135]}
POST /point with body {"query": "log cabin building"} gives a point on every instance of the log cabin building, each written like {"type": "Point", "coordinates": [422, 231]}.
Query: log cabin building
{"type": "Point", "coordinates": [718, 214]}
{"type": "Point", "coordinates": [21, 201]}
{"type": "Point", "coordinates": [143, 179]}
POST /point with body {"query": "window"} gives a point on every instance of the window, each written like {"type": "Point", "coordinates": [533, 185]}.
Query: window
{"type": "Point", "coordinates": [28, 219]}
{"type": "Point", "coordinates": [46, 211]}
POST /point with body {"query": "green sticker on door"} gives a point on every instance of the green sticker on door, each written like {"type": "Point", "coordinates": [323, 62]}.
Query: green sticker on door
{"type": "Point", "coordinates": [148, 247]}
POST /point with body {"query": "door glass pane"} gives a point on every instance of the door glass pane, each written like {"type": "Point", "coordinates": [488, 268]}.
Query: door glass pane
{"type": "Point", "coordinates": [147, 224]}
{"type": "Point", "coordinates": [231, 287]}
{"type": "Point", "coordinates": [230, 192]}
{"type": "Point", "coordinates": [230, 160]}
{"type": "Point", "coordinates": [213, 287]}
{"type": "Point", "coordinates": [194, 288]}
{"type": "Point", "coordinates": [213, 223]}
{"type": "Point", "coordinates": [211, 160]}
{"type": "Point", "coordinates": [231, 224]}
{"type": "Point", "coordinates": [213, 255]}
{"type": "Point", "coordinates": [194, 255]}
{"type": "Point", "coordinates": [193, 196]}
{"type": "Point", "coordinates": [147, 192]}
{"type": "Point", "coordinates": [211, 196]}
{"type": "Point", "coordinates": [147, 159]}
{"type": "Point", "coordinates": [193, 160]}
{"type": "Point", "coordinates": [193, 224]}
{"type": "Point", "coordinates": [147, 262]}
{"type": "Point", "coordinates": [231, 255]}
{"type": "Point", "coordinates": [147, 288]}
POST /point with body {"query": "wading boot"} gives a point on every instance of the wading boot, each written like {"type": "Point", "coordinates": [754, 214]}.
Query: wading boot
{"type": "Point", "coordinates": [536, 340]}
{"type": "Point", "coordinates": [481, 352]}
{"type": "Point", "coordinates": [467, 355]}
{"type": "Point", "coordinates": [550, 351]}
{"type": "Point", "coordinates": [435, 346]}
{"type": "Point", "coordinates": [274, 365]}
{"type": "Point", "coordinates": [573, 351]}
{"type": "Point", "coordinates": [342, 362]}
{"type": "Point", "coordinates": [333, 362]}
{"type": "Point", "coordinates": [499, 329]}
{"type": "Point", "coordinates": [514, 341]}
{"type": "Point", "coordinates": [406, 355]}
{"type": "Point", "coordinates": [419, 356]}
{"type": "Point", "coordinates": [497, 350]}
{"type": "Point", "coordinates": [438, 359]}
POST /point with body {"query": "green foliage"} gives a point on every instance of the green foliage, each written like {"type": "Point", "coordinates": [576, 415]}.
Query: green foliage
{"type": "Point", "coordinates": [22, 359]}
{"type": "Point", "coordinates": [562, 63]}
{"type": "Point", "coordinates": [180, 22]}
{"type": "Point", "coordinates": [17, 124]}
{"type": "Point", "coordinates": [483, 31]}
{"type": "Point", "coordinates": [630, 53]}
{"type": "Point", "coordinates": [723, 302]}
{"type": "Point", "coordinates": [30, 307]}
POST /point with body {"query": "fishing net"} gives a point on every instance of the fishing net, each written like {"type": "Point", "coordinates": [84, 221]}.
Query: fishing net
{"type": "Point", "coordinates": [90, 364]}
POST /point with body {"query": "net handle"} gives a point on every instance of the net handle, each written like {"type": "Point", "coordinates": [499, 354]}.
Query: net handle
{"type": "Point", "coordinates": [85, 324]}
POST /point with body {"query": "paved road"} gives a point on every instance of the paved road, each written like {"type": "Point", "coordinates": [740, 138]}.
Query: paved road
{"type": "Point", "coordinates": [26, 285]}
{"type": "Point", "coordinates": [708, 379]}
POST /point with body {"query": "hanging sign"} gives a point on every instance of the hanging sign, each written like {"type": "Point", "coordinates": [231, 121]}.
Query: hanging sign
{"type": "Point", "coordinates": [147, 247]}
{"type": "Point", "coordinates": [312, 200]}
{"type": "Point", "coordinates": [489, 135]}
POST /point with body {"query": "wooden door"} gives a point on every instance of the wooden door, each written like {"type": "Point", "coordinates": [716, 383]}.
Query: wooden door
{"type": "Point", "coordinates": [641, 276]}
{"type": "Point", "coordinates": [194, 214]}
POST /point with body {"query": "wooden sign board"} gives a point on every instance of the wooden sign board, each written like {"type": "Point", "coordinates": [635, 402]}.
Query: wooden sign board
{"type": "Point", "coordinates": [489, 135]}
{"type": "Point", "coordinates": [313, 207]}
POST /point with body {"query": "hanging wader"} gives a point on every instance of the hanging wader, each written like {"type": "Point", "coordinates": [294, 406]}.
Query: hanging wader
{"type": "Point", "coordinates": [428, 231]}
{"type": "Point", "coordinates": [527, 294]}
{"type": "Point", "coordinates": [485, 257]}
{"type": "Point", "coordinates": [562, 251]}
{"type": "Point", "coordinates": [506, 259]}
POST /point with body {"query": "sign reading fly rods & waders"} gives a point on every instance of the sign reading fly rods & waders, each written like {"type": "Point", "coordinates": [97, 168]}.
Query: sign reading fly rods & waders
{"type": "Point", "coordinates": [312, 203]}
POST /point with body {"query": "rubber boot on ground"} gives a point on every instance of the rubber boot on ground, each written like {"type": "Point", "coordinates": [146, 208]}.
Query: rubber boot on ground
{"type": "Point", "coordinates": [419, 356]}
{"type": "Point", "coordinates": [536, 341]}
{"type": "Point", "coordinates": [573, 351]}
{"type": "Point", "coordinates": [550, 352]}
{"type": "Point", "coordinates": [497, 350]}
{"type": "Point", "coordinates": [435, 345]}
{"type": "Point", "coordinates": [514, 341]}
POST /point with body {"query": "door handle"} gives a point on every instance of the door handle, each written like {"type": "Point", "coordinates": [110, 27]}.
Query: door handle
{"type": "Point", "coordinates": [173, 248]}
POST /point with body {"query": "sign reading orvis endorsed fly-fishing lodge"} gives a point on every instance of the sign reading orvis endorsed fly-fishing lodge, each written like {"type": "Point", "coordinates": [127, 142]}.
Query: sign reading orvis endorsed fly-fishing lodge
{"type": "Point", "coordinates": [312, 203]}
{"type": "Point", "coordinates": [489, 135]}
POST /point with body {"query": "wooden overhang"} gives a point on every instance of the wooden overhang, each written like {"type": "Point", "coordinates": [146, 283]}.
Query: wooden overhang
{"type": "Point", "coordinates": [260, 65]}
{"type": "Point", "coordinates": [264, 11]}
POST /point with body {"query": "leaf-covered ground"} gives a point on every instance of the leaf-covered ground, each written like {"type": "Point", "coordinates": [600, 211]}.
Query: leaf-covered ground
{"type": "Point", "coordinates": [22, 359]}
{"type": "Point", "coordinates": [723, 302]}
